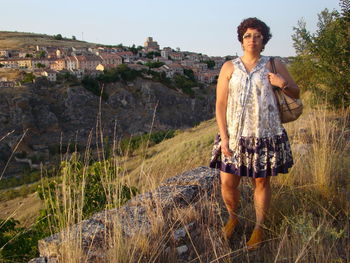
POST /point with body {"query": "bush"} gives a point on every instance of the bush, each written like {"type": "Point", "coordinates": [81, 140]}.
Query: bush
{"type": "Point", "coordinates": [185, 84]}
{"type": "Point", "coordinates": [27, 177]}
{"type": "Point", "coordinates": [28, 78]}
{"type": "Point", "coordinates": [93, 85]}
{"type": "Point", "coordinates": [210, 63]}
{"type": "Point", "coordinates": [154, 64]}
{"type": "Point", "coordinates": [109, 76]}
{"type": "Point", "coordinates": [55, 149]}
{"type": "Point", "coordinates": [322, 64]}
{"type": "Point", "coordinates": [18, 244]}
{"type": "Point", "coordinates": [153, 54]}
{"type": "Point", "coordinates": [67, 77]}
{"type": "Point", "coordinates": [58, 37]}
{"type": "Point", "coordinates": [127, 74]}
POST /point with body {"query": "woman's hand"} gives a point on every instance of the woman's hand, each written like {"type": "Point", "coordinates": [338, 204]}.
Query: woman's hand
{"type": "Point", "coordinates": [225, 148]}
{"type": "Point", "coordinates": [283, 80]}
{"type": "Point", "coordinates": [276, 80]}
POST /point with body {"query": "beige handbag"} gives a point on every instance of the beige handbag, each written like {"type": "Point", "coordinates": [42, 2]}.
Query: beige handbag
{"type": "Point", "coordinates": [289, 108]}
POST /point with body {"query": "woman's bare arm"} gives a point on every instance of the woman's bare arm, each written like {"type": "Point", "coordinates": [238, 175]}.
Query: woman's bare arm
{"type": "Point", "coordinates": [221, 104]}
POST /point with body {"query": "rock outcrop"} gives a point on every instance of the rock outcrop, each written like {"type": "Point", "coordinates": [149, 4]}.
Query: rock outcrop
{"type": "Point", "coordinates": [189, 190]}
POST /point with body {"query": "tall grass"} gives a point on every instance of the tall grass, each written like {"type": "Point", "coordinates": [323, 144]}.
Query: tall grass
{"type": "Point", "coordinates": [308, 220]}
{"type": "Point", "coordinates": [320, 141]}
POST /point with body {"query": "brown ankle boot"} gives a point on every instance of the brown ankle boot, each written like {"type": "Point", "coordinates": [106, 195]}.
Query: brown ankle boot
{"type": "Point", "coordinates": [256, 239]}
{"type": "Point", "coordinates": [229, 228]}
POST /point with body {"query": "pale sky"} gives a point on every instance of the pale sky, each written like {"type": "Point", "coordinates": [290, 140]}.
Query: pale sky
{"type": "Point", "coordinates": [203, 26]}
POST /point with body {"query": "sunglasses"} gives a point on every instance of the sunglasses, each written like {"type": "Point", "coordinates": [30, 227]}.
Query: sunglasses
{"type": "Point", "coordinates": [254, 36]}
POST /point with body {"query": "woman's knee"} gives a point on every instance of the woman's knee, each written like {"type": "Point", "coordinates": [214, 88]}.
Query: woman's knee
{"type": "Point", "coordinates": [262, 183]}
{"type": "Point", "coordinates": [229, 181]}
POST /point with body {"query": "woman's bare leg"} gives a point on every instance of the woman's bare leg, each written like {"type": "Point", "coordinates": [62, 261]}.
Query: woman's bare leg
{"type": "Point", "coordinates": [230, 195]}
{"type": "Point", "coordinates": [229, 191]}
{"type": "Point", "coordinates": [262, 198]}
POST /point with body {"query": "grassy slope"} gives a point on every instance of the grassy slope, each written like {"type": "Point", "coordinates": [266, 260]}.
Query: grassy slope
{"type": "Point", "coordinates": [19, 40]}
{"type": "Point", "coordinates": [189, 149]}
{"type": "Point", "coordinates": [192, 148]}
{"type": "Point", "coordinates": [22, 209]}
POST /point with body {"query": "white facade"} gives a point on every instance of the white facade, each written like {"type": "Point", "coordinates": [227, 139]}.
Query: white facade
{"type": "Point", "coordinates": [51, 75]}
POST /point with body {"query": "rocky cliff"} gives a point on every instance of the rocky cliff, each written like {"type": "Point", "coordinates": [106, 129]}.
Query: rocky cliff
{"type": "Point", "coordinates": [59, 114]}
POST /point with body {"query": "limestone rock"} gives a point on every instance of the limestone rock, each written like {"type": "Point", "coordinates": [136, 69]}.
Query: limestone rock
{"type": "Point", "coordinates": [181, 250]}
{"type": "Point", "coordinates": [134, 217]}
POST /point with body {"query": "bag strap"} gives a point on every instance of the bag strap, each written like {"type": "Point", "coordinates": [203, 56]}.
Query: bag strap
{"type": "Point", "coordinates": [278, 90]}
{"type": "Point", "coordinates": [273, 66]}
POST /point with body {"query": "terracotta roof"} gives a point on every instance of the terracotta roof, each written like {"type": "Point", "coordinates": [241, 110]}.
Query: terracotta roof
{"type": "Point", "coordinates": [108, 55]}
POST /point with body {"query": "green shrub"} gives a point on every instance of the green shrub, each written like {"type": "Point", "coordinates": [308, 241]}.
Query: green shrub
{"type": "Point", "coordinates": [27, 177]}
{"type": "Point", "coordinates": [93, 85]}
{"type": "Point", "coordinates": [322, 62]}
{"type": "Point", "coordinates": [185, 84]}
{"type": "Point", "coordinates": [154, 64]}
{"type": "Point", "coordinates": [19, 244]}
{"type": "Point", "coordinates": [28, 78]}
{"type": "Point", "coordinates": [127, 74]}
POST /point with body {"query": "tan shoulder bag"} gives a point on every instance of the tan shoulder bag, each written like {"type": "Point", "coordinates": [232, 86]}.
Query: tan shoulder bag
{"type": "Point", "coordinates": [289, 108]}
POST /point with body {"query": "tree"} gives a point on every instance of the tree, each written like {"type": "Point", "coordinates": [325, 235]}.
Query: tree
{"type": "Point", "coordinates": [345, 9]}
{"type": "Point", "coordinates": [185, 84]}
{"type": "Point", "coordinates": [28, 78]}
{"type": "Point", "coordinates": [133, 49]}
{"type": "Point", "coordinates": [67, 77]}
{"type": "Point", "coordinates": [189, 73]}
{"type": "Point", "coordinates": [154, 64]}
{"type": "Point", "coordinates": [126, 73]}
{"type": "Point", "coordinates": [58, 37]}
{"type": "Point", "coordinates": [322, 62]}
{"type": "Point", "coordinates": [93, 85]}
{"type": "Point", "coordinates": [41, 54]}
{"type": "Point", "coordinates": [39, 65]}
{"type": "Point", "coordinates": [153, 54]}
{"type": "Point", "coordinates": [74, 38]}
{"type": "Point", "coordinates": [210, 63]}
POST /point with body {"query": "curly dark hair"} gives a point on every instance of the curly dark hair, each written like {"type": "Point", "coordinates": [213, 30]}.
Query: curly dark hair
{"type": "Point", "coordinates": [253, 22]}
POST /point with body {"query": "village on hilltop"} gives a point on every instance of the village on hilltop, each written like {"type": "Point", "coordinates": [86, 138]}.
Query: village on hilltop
{"type": "Point", "coordinates": [50, 61]}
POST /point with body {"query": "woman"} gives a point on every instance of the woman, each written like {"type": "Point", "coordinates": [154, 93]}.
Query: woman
{"type": "Point", "coordinates": [251, 141]}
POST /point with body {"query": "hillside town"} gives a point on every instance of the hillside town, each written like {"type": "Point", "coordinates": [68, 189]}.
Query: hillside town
{"type": "Point", "coordinates": [50, 61]}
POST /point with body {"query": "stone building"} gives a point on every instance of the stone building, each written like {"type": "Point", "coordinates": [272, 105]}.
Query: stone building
{"type": "Point", "coordinates": [151, 45]}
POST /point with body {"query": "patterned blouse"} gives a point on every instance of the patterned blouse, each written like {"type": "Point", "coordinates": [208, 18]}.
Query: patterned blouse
{"type": "Point", "coordinates": [251, 104]}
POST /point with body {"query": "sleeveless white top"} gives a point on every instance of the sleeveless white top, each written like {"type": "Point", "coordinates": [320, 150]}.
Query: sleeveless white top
{"type": "Point", "coordinates": [251, 104]}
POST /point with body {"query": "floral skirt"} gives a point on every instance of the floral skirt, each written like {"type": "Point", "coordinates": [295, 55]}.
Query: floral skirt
{"type": "Point", "coordinates": [255, 157]}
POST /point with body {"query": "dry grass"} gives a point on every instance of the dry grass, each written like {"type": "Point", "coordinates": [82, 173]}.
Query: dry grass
{"type": "Point", "coordinates": [308, 220]}
{"type": "Point", "coordinates": [10, 74]}
{"type": "Point", "coordinates": [185, 151]}
{"type": "Point", "coordinates": [25, 210]}
{"type": "Point", "coordinates": [20, 40]}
